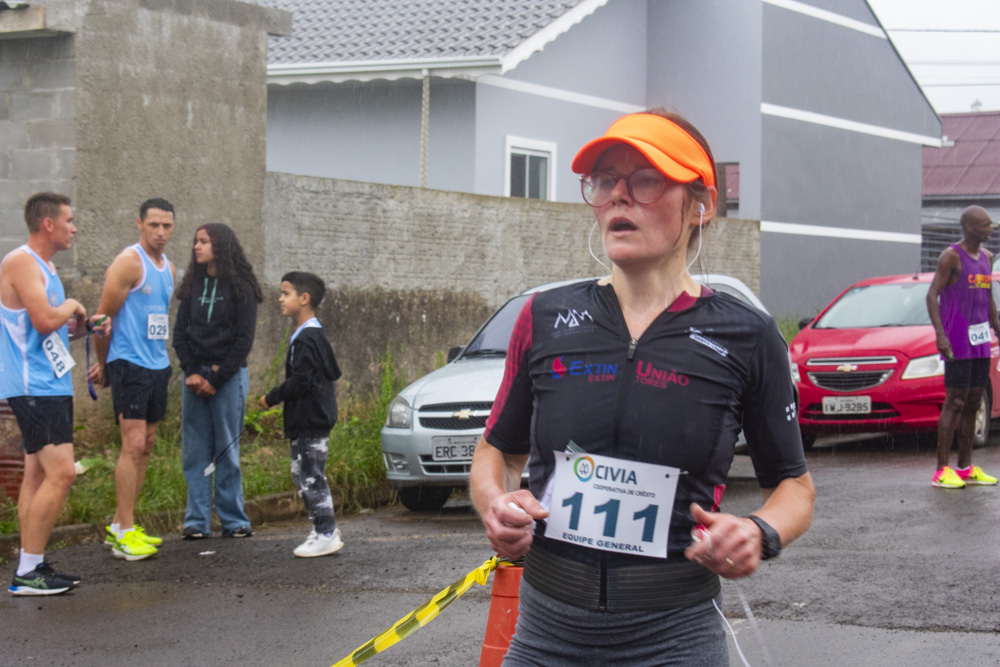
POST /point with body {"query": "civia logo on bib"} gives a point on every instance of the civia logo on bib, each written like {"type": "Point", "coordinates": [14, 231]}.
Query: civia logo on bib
{"type": "Point", "coordinates": [583, 468]}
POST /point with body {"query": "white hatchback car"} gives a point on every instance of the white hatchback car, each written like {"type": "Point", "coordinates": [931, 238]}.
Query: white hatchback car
{"type": "Point", "coordinates": [432, 427]}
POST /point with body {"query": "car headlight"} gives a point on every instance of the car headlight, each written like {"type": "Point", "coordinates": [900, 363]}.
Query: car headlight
{"type": "Point", "coordinates": [796, 378]}
{"type": "Point", "coordinates": [924, 367]}
{"type": "Point", "coordinates": [399, 413]}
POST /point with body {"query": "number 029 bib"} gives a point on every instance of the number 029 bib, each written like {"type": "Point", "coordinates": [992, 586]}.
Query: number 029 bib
{"type": "Point", "coordinates": [156, 326]}
{"type": "Point", "coordinates": [611, 504]}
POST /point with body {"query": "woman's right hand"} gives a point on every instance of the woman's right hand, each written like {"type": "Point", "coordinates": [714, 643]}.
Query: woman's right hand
{"type": "Point", "coordinates": [510, 522]}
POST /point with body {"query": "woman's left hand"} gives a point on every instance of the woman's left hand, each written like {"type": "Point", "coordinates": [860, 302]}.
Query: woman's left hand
{"type": "Point", "coordinates": [729, 545]}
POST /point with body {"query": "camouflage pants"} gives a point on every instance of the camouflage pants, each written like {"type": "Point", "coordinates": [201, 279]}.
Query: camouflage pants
{"type": "Point", "coordinates": [309, 476]}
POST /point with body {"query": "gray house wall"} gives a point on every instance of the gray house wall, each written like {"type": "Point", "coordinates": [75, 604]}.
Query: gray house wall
{"type": "Point", "coordinates": [817, 175]}
{"type": "Point", "coordinates": [603, 56]}
{"type": "Point", "coordinates": [707, 66]}
{"type": "Point", "coordinates": [371, 132]}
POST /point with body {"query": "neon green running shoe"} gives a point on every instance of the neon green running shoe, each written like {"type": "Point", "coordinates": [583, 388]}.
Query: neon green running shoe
{"type": "Point", "coordinates": [977, 476]}
{"type": "Point", "coordinates": [110, 538]}
{"type": "Point", "coordinates": [152, 540]}
{"type": "Point", "coordinates": [946, 478]}
{"type": "Point", "coordinates": [132, 548]}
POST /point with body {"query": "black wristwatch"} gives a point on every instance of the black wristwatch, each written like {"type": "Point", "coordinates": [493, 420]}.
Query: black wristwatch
{"type": "Point", "coordinates": [770, 543]}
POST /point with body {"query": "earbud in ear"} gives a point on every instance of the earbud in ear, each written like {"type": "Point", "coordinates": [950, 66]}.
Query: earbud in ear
{"type": "Point", "coordinates": [701, 207]}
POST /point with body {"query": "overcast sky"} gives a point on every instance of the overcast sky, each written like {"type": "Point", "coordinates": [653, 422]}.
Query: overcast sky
{"type": "Point", "coordinates": [951, 46]}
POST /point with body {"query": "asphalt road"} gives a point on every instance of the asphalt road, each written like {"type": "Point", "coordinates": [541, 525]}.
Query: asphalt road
{"type": "Point", "coordinates": [893, 573]}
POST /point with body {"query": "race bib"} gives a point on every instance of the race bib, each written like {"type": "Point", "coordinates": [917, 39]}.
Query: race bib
{"type": "Point", "coordinates": [57, 354]}
{"type": "Point", "coordinates": [611, 504]}
{"type": "Point", "coordinates": [979, 333]}
{"type": "Point", "coordinates": [156, 326]}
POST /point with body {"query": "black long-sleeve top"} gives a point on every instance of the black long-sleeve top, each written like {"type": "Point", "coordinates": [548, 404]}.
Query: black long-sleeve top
{"type": "Point", "coordinates": [215, 328]}
{"type": "Point", "coordinates": [308, 390]}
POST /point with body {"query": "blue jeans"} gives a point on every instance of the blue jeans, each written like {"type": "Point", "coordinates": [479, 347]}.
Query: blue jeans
{"type": "Point", "coordinates": [209, 426]}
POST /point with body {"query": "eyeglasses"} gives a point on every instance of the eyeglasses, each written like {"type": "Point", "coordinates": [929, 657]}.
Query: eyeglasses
{"type": "Point", "coordinates": [644, 186]}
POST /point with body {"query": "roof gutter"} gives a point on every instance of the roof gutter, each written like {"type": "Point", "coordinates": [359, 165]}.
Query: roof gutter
{"type": "Point", "coordinates": [284, 74]}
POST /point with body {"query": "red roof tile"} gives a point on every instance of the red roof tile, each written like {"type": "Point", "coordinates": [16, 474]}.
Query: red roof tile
{"type": "Point", "coordinates": [972, 165]}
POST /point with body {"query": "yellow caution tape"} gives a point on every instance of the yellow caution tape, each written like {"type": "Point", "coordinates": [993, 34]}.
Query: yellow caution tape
{"type": "Point", "coordinates": [420, 616]}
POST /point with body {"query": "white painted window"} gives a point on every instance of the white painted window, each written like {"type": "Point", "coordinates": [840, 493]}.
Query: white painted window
{"type": "Point", "coordinates": [530, 169]}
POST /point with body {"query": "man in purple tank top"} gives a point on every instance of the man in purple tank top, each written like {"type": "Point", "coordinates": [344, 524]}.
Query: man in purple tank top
{"type": "Point", "coordinates": [961, 308]}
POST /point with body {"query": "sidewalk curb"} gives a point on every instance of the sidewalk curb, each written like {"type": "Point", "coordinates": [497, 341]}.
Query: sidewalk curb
{"type": "Point", "coordinates": [273, 507]}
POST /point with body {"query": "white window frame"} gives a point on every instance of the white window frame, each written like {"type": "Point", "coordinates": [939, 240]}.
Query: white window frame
{"type": "Point", "coordinates": [525, 146]}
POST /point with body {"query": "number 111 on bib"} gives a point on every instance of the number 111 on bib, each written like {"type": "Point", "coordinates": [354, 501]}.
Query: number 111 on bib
{"type": "Point", "coordinates": [610, 504]}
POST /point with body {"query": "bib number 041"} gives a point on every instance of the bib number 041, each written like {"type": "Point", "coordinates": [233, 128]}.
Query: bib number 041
{"type": "Point", "coordinates": [611, 504]}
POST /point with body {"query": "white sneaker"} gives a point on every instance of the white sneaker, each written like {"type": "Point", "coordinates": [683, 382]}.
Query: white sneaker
{"type": "Point", "coordinates": [319, 545]}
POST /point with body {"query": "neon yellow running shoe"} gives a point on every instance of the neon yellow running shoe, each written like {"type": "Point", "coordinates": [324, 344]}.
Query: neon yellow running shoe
{"type": "Point", "coordinates": [977, 476]}
{"type": "Point", "coordinates": [110, 538]}
{"type": "Point", "coordinates": [946, 478]}
{"type": "Point", "coordinates": [148, 539]}
{"type": "Point", "coordinates": [131, 547]}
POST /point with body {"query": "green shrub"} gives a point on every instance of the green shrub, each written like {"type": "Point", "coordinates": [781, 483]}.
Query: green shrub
{"type": "Point", "coordinates": [354, 466]}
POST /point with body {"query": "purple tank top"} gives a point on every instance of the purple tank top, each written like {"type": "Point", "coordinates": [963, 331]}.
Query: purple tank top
{"type": "Point", "coordinates": [965, 307]}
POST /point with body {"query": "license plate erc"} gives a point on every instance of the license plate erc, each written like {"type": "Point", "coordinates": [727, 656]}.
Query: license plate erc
{"type": "Point", "coordinates": [847, 405]}
{"type": "Point", "coordinates": [454, 449]}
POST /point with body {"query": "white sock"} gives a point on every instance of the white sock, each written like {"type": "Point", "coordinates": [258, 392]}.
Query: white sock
{"type": "Point", "coordinates": [122, 531]}
{"type": "Point", "coordinates": [115, 527]}
{"type": "Point", "coordinates": [28, 562]}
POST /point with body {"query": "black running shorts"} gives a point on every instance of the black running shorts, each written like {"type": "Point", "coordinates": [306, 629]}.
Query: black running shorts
{"type": "Point", "coordinates": [43, 420]}
{"type": "Point", "coordinates": [137, 392]}
{"type": "Point", "coordinates": [965, 373]}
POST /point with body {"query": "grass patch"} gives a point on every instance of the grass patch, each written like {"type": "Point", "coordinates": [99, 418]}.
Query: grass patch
{"type": "Point", "coordinates": [354, 466]}
{"type": "Point", "coordinates": [788, 326]}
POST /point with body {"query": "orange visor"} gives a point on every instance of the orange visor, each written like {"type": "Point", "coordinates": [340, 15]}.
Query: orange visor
{"type": "Point", "coordinates": [674, 152]}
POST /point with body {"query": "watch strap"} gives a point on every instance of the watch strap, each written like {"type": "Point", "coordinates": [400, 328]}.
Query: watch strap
{"type": "Point", "coordinates": [770, 542]}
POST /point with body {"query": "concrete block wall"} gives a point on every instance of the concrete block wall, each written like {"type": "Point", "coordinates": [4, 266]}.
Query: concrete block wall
{"type": "Point", "coordinates": [37, 130]}
{"type": "Point", "coordinates": [418, 270]}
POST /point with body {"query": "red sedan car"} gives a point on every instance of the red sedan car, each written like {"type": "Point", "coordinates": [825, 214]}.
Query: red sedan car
{"type": "Point", "coordinates": [868, 363]}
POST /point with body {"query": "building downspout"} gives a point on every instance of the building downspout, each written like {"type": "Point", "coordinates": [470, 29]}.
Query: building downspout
{"type": "Point", "coordinates": [425, 114]}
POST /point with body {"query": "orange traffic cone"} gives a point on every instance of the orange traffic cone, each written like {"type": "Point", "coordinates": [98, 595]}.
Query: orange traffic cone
{"type": "Point", "coordinates": [503, 614]}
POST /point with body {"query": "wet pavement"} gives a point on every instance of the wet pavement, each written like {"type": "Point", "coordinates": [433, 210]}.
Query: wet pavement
{"type": "Point", "coordinates": [893, 573]}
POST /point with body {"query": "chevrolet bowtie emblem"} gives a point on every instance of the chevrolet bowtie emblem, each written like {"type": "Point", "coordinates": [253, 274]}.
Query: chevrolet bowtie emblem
{"type": "Point", "coordinates": [463, 414]}
{"type": "Point", "coordinates": [847, 368]}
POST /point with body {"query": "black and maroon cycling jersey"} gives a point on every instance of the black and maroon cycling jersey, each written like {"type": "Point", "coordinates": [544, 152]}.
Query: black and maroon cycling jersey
{"type": "Point", "coordinates": [678, 396]}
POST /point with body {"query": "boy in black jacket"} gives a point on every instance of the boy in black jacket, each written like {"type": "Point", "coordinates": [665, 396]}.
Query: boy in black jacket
{"type": "Point", "coordinates": [310, 408]}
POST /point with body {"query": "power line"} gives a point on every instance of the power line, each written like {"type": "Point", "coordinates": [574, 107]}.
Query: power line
{"type": "Point", "coordinates": [946, 30]}
{"type": "Point", "coordinates": [989, 84]}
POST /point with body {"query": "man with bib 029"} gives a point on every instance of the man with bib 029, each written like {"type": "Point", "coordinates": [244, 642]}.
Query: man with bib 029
{"type": "Point", "coordinates": [37, 323]}
{"type": "Point", "coordinates": [961, 308]}
{"type": "Point", "coordinates": [137, 290]}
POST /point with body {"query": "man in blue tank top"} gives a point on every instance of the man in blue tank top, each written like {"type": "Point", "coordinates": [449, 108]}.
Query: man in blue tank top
{"type": "Point", "coordinates": [961, 308]}
{"type": "Point", "coordinates": [137, 290]}
{"type": "Point", "coordinates": [37, 323]}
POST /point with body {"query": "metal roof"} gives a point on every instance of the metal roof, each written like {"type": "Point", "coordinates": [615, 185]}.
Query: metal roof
{"type": "Point", "coordinates": [969, 162]}
{"type": "Point", "coordinates": [337, 40]}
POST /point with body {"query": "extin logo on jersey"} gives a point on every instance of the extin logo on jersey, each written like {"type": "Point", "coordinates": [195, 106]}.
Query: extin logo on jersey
{"type": "Point", "coordinates": [594, 372]}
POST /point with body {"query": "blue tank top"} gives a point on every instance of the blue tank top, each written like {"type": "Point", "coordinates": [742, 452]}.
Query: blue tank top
{"type": "Point", "coordinates": [25, 369]}
{"type": "Point", "coordinates": [965, 307]}
{"type": "Point", "coordinates": [140, 329]}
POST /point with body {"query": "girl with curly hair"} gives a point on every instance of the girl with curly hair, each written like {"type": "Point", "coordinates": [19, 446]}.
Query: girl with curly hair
{"type": "Point", "coordinates": [213, 335]}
